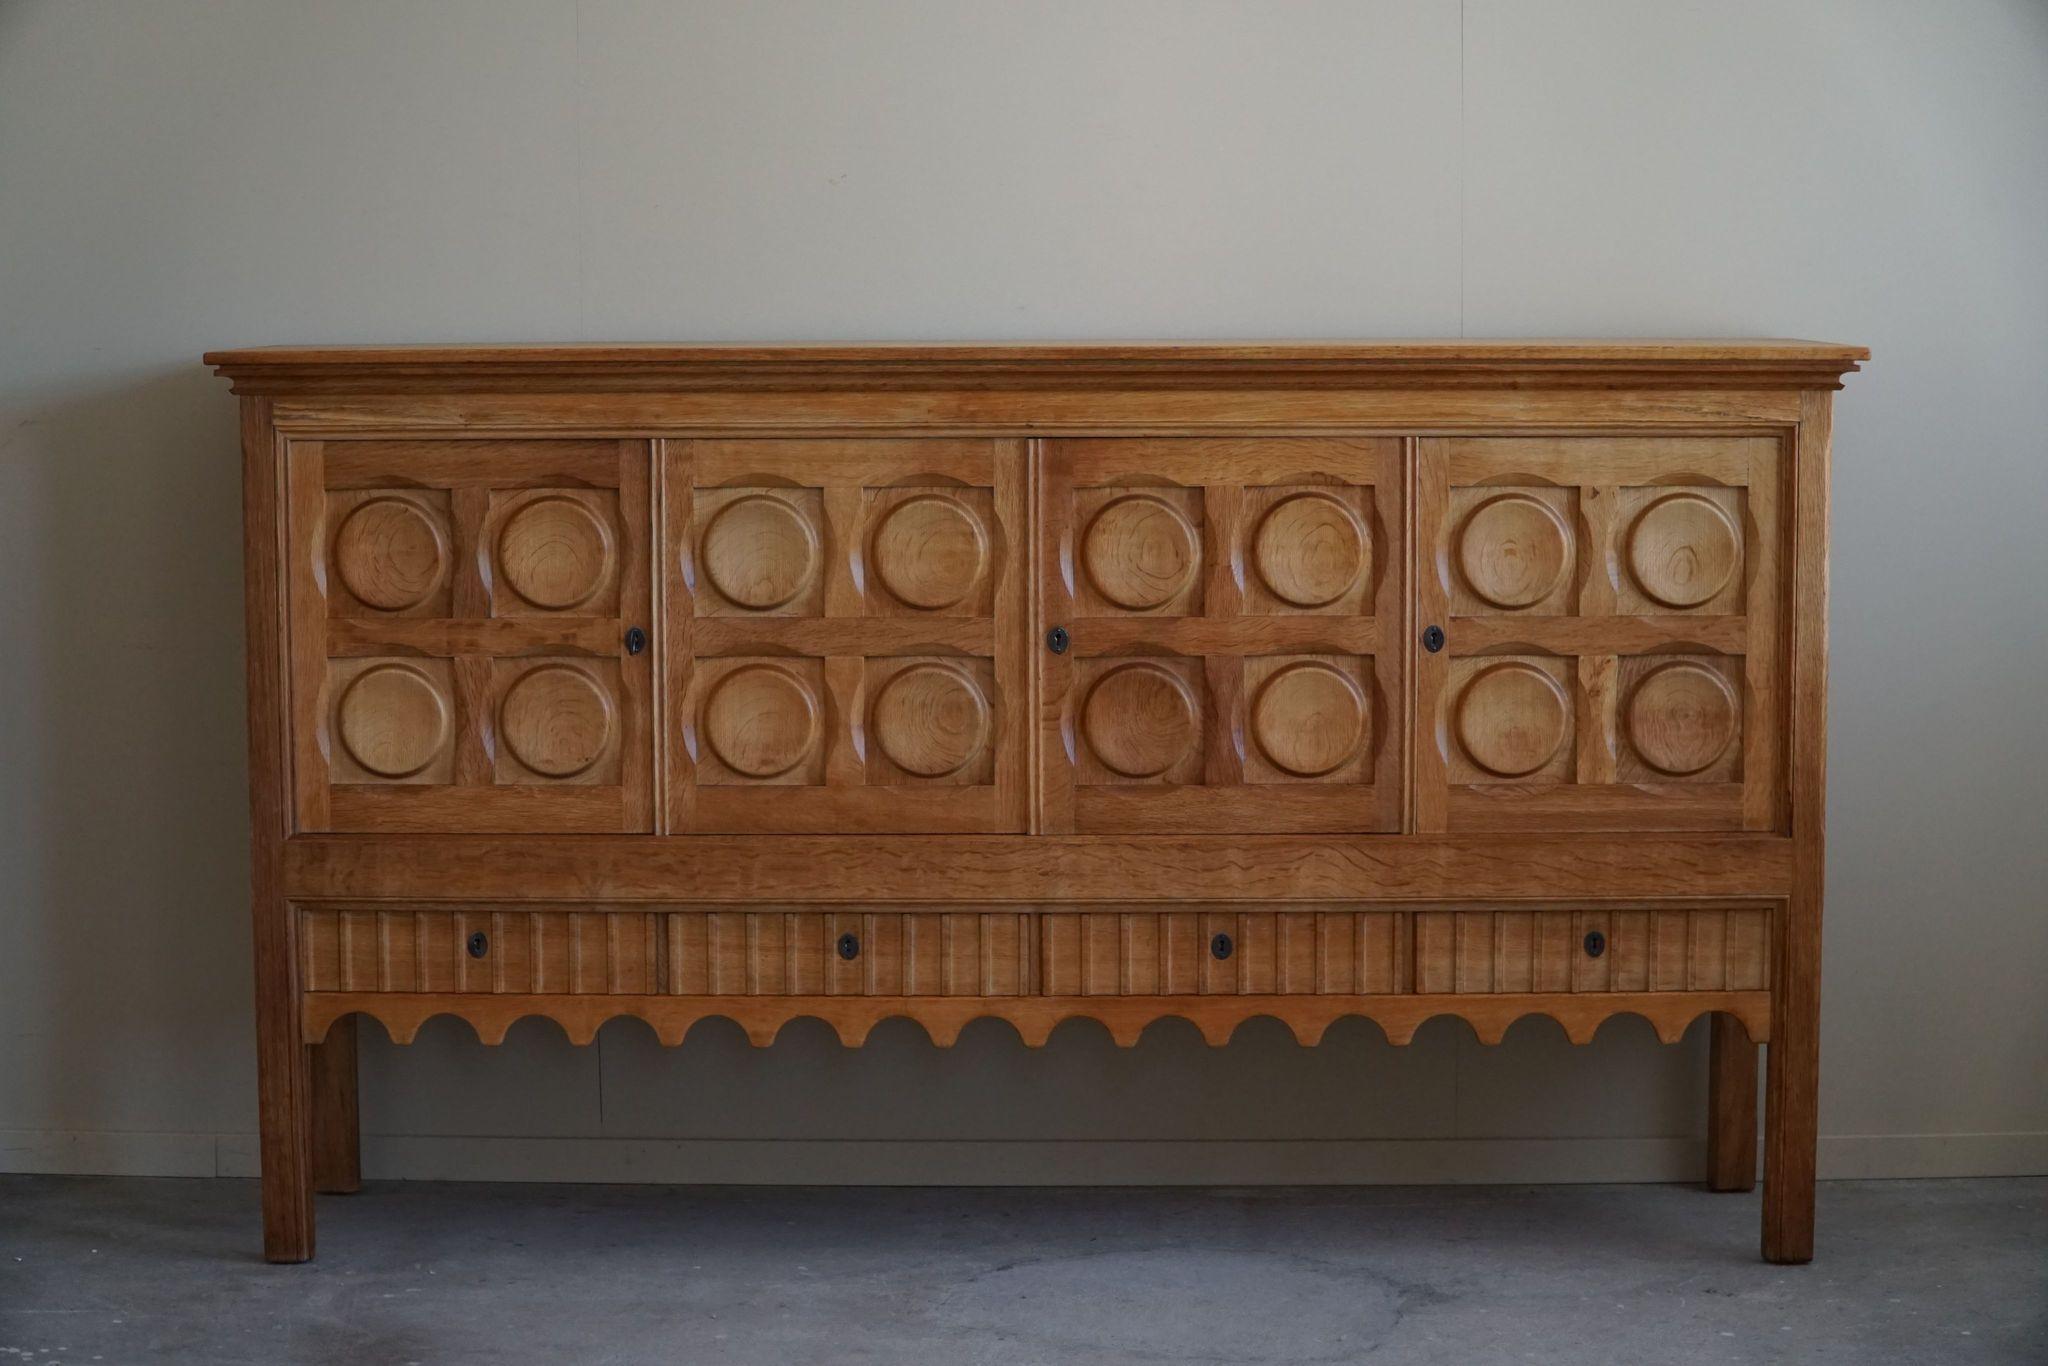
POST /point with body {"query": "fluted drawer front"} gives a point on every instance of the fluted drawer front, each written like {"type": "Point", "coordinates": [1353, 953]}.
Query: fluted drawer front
{"type": "Point", "coordinates": [479, 950]}
{"type": "Point", "coordinates": [1602, 950]}
{"type": "Point", "coordinates": [1179, 953]}
{"type": "Point", "coordinates": [809, 953]}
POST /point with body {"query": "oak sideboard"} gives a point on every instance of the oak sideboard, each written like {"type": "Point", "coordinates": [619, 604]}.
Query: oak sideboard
{"type": "Point", "coordinates": [1038, 682]}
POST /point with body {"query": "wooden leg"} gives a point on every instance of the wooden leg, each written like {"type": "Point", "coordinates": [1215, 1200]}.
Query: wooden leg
{"type": "Point", "coordinates": [283, 1089]}
{"type": "Point", "coordinates": [1791, 1103]}
{"type": "Point", "coordinates": [337, 1146]}
{"type": "Point", "coordinates": [1731, 1108]}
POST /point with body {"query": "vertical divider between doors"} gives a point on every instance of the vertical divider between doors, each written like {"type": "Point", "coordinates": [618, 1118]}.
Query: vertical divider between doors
{"type": "Point", "coordinates": [1411, 571]}
{"type": "Point", "coordinates": [1034, 627]}
{"type": "Point", "coordinates": [674, 648]}
{"type": "Point", "coordinates": [657, 629]}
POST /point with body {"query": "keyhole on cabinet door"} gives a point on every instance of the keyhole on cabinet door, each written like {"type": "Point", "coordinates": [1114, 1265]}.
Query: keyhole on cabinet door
{"type": "Point", "coordinates": [479, 944]}
{"type": "Point", "coordinates": [849, 946]}
{"type": "Point", "coordinates": [1222, 947]}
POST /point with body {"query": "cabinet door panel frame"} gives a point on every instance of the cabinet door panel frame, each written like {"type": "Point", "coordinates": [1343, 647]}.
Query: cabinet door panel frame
{"type": "Point", "coordinates": [459, 646]}
{"type": "Point", "coordinates": [1190, 646]}
{"type": "Point", "coordinates": [840, 638]}
{"type": "Point", "coordinates": [1600, 632]}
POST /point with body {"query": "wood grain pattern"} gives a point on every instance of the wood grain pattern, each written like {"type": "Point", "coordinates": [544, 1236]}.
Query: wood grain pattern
{"type": "Point", "coordinates": [843, 774]}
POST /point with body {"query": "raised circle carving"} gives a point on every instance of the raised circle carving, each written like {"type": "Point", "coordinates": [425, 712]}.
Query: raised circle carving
{"type": "Point", "coordinates": [555, 553]}
{"type": "Point", "coordinates": [1139, 552]}
{"type": "Point", "coordinates": [556, 720]}
{"type": "Point", "coordinates": [1139, 720]}
{"type": "Point", "coordinates": [1512, 719]}
{"type": "Point", "coordinates": [1681, 718]}
{"type": "Point", "coordinates": [1309, 719]}
{"type": "Point", "coordinates": [1682, 550]}
{"type": "Point", "coordinates": [1310, 549]}
{"type": "Point", "coordinates": [930, 720]}
{"type": "Point", "coordinates": [392, 720]}
{"type": "Point", "coordinates": [390, 554]}
{"type": "Point", "coordinates": [929, 552]}
{"type": "Point", "coordinates": [761, 721]}
{"type": "Point", "coordinates": [1513, 550]}
{"type": "Point", "coordinates": [759, 552]}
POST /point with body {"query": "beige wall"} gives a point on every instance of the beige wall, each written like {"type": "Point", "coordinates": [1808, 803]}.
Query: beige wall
{"type": "Point", "coordinates": [177, 175]}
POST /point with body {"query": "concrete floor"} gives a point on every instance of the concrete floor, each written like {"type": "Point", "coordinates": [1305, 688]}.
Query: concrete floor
{"type": "Point", "coordinates": [116, 1270]}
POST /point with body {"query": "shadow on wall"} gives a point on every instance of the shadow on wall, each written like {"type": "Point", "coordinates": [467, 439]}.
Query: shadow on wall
{"type": "Point", "coordinates": [126, 793]}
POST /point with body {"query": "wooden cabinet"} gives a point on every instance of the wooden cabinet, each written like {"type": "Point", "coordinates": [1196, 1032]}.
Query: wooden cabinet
{"type": "Point", "coordinates": [1049, 683]}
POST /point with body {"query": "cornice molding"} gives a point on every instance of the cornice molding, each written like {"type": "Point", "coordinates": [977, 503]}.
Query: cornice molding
{"type": "Point", "coordinates": [1748, 364]}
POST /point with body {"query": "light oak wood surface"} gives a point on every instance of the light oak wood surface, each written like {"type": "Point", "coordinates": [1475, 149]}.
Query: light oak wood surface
{"type": "Point", "coordinates": [1114, 682]}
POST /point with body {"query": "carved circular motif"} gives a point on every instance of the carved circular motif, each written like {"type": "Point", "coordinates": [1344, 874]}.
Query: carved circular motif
{"type": "Point", "coordinates": [929, 551]}
{"type": "Point", "coordinates": [1681, 718]}
{"type": "Point", "coordinates": [1682, 550]}
{"type": "Point", "coordinates": [1511, 719]}
{"type": "Point", "coordinates": [761, 721]}
{"type": "Point", "coordinates": [1513, 550]}
{"type": "Point", "coordinates": [390, 554]}
{"type": "Point", "coordinates": [1309, 719]}
{"type": "Point", "coordinates": [556, 720]}
{"type": "Point", "coordinates": [1139, 720]}
{"type": "Point", "coordinates": [759, 552]}
{"type": "Point", "coordinates": [392, 720]}
{"type": "Point", "coordinates": [1310, 549]}
{"type": "Point", "coordinates": [1139, 552]}
{"type": "Point", "coordinates": [930, 719]}
{"type": "Point", "coordinates": [555, 553]}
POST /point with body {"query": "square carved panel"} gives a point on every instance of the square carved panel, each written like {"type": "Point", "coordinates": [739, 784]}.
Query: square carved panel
{"type": "Point", "coordinates": [1679, 551]}
{"type": "Point", "coordinates": [1308, 719]}
{"type": "Point", "coordinates": [1138, 551]}
{"type": "Point", "coordinates": [1140, 720]}
{"type": "Point", "coordinates": [759, 552]}
{"type": "Point", "coordinates": [1308, 549]}
{"type": "Point", "coordinates": [389, 552]}
{"type": "Point", "coordinates": [1511, 719]}
{"type": "Point", "coordinates": [930, 720]}
{"type": "Point", "coordinates": [558, 720]}
{"type": "Point", "coordinates": [759, 720]}
{"type": "Point", "coordinates": [930, 551]}
{"type": "Point", "coordinates": [1678, 719]}
{"type": "Point", "coordinates": [553, 552]}
{"type": "Point", "coordinates": [391, 720]}
{"type": "Point", "coordinates": [1513, 550]}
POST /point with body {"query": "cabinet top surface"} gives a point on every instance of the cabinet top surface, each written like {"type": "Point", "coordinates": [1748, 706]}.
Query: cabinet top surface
{"type": "Point", "coordinates": [1769, 361]}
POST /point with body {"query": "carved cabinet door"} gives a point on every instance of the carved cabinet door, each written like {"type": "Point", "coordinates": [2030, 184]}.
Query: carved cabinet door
{"type": "Point", "coordinates": [1610, 618]}
{"type": "Point", "coordinates": [1232, 619]}
{"type": "Point", "coordinates": [846, 631]}
{"type": "Point", "coordinates": [467, 632]}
